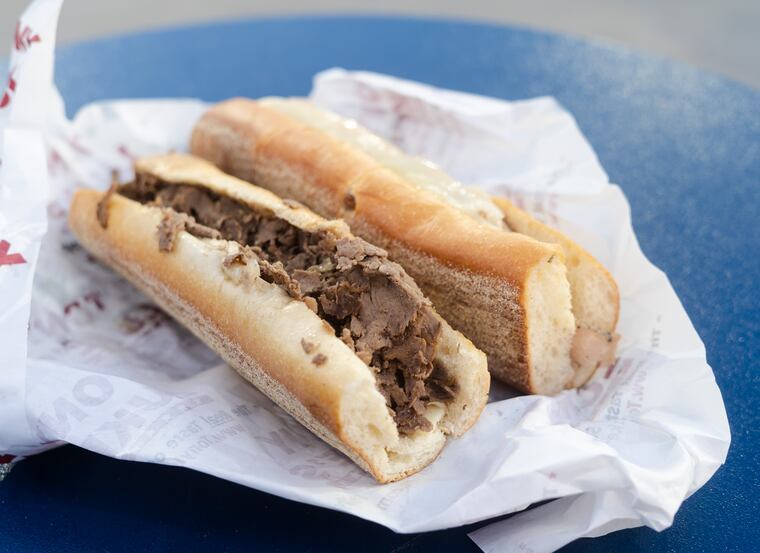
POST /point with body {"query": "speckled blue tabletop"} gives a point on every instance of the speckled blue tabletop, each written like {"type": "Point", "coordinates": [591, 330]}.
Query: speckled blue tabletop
{"type": "Point", "coordinates": [683, 144]}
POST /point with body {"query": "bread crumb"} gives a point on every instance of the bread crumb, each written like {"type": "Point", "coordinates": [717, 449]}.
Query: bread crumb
{"type": "Point", "coordinates": [311, 303]}
{"type": "Point", "coordinates": [102, 208]}
{"type": "Point", "coordinates": [307, 346]}
{"type": "Point", "coordinates": [349, 201]}
{"type": "Point", "coordinates": [237, 258]}
{"type": "Point", "coordinates": [292, 204]}
{"type": "Point", "coordinates": [348, 339]}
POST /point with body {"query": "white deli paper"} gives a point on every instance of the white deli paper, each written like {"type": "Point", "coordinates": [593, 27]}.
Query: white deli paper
{"type": "Point", "coordinates": [103, 368]}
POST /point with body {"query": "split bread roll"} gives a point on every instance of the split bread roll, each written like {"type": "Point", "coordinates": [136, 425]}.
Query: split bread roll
{"type": "Point", "coordinates": [542, 309]}
{"type": "Point", "coordinates": [595, 295]}
{"type": "Point", "coordinates": [317, 319]}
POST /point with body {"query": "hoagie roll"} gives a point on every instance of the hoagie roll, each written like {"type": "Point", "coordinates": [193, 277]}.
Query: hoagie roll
{"type": "Point", "coordinates": [319, 320]}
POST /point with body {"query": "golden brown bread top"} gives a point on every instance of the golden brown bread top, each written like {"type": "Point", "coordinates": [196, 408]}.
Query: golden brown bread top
{"type": "Point", "coordinates": [428, 225]}
{"type": "Point", "coordinates": [248, 139]}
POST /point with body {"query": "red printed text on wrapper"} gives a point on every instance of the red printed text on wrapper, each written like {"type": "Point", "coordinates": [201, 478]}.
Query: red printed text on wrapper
{"type": "Point", "coordinates": [10, 89]}
{"type": "Point", "coordinates": [9, 258]}
{"type": "Point", "coordinates": [23, 39]}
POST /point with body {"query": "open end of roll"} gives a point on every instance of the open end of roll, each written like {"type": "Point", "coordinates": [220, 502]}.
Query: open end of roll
{"type": "Point", "coordinates": [591, 350]}
{"type": "Point", "coordinates": [372, 305]}
{"type": "Point", "coordinates": [550, 327]}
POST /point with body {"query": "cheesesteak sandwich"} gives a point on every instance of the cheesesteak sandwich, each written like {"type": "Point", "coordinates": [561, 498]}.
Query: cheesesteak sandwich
{"type": "Point", "coordinates": [542, 308]}
{"type": "Point", "coordinates": [318, 319]}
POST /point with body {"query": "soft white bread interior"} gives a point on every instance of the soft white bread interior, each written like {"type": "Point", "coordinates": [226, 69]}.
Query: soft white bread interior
{"type": "Point", "coordinates": [507, 292]}
{"type": "Point", "coordinates": [258, 328]}
{"type": "Point", "coordinates": [596, 299]}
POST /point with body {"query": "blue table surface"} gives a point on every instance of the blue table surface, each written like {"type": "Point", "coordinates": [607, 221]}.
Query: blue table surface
{"type": "Point", "coordinates": [683, 144]}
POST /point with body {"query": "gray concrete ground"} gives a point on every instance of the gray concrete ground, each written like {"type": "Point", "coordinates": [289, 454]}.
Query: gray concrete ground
{"type": "Point", "coordinates": [719, 35]}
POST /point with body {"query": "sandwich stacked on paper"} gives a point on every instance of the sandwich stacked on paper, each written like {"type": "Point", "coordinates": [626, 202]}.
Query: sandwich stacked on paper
{"type": "Point", "coordinates": [331, 318]}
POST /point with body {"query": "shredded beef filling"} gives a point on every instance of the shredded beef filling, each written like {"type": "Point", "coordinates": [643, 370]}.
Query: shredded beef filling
{"type": "Point", "coordinates": [372, 304]}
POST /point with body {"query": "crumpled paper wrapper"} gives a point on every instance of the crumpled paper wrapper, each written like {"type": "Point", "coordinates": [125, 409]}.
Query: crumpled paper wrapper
{"type": "Point", "coordinates": [100, 366]}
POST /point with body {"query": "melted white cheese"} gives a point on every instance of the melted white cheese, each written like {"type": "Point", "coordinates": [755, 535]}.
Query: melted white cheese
{"type": "Point", "coordinates": [419, 172]}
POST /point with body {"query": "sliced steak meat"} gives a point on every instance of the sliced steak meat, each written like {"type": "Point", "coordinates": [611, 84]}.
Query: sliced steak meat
{"type": "Point", "coordinates": [374, 306]}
